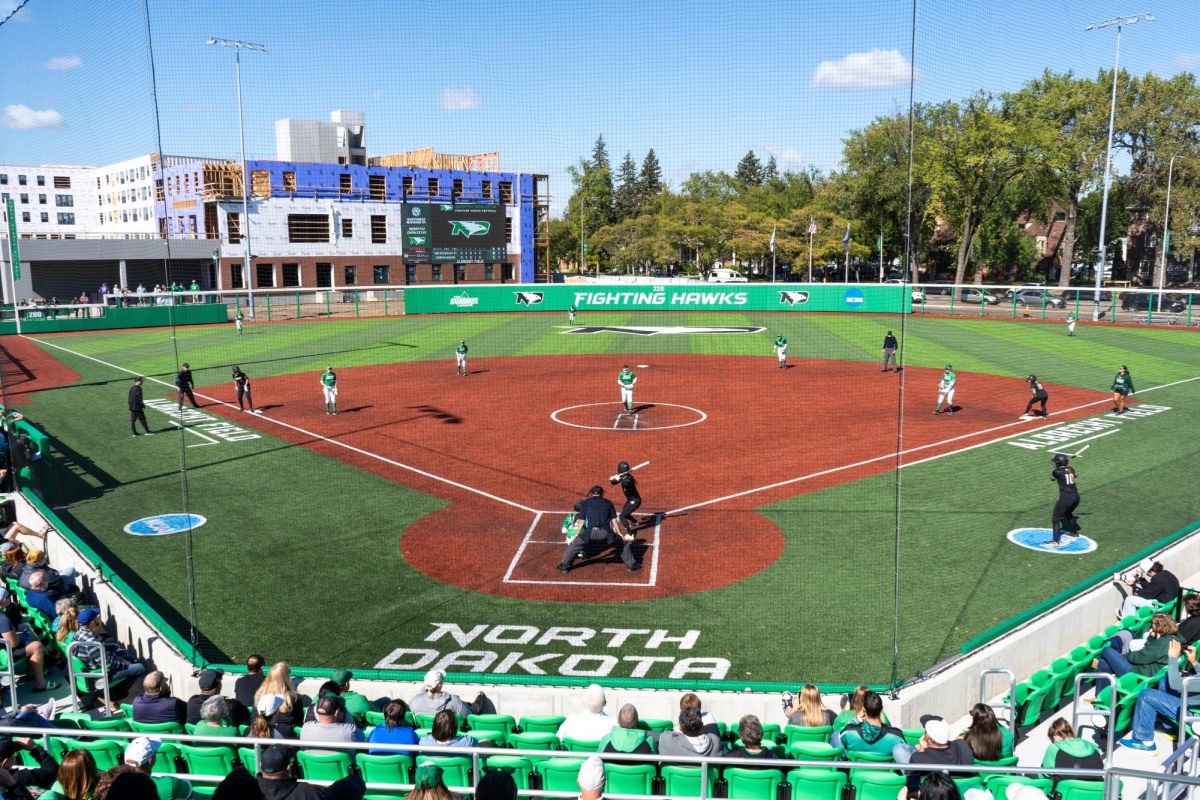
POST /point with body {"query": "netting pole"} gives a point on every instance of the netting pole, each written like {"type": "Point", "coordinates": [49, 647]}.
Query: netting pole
{"type": "Point", "coordinates": [268, 308]}
{"type": "Point", "coordinates": [356, 314]}
{"type": "Point", "coordinates": [952, 302]}
{"type": "Point", "coordinates": [328, 312]}
{"type": "Point", "coordinates": [1014, 307]}
{"type": "Point", "coordinates": [982, 301]}
{"type": "Point", "coordinates": [237, 303]}
{"type": "Point", "coordinates": [1189, 310]}
{"type": "Point", "coordinates": [297, 305]}
{"type": "Point", "coordinates": [385, 304]}
{"type": "Point", "coordinates": [1043, 304]}
{"type": "Point", "coordinates": [1112, 314]}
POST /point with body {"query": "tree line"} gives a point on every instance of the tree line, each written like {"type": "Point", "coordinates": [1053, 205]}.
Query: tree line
{"type": "Point", "coordinates": [982, 168]}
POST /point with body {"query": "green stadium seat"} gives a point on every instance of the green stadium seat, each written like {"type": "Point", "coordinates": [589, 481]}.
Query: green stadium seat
{"type": "Point", "coordinates": [870, 758]}
{"type": "Point", "coordinates": [375, 718]}
{"type": "Point", "coordinates": [1007, 761]}
{"type": "Point", "coordinates": [207, 760]}
{"type": "Point", "coordinates": [502, 723]}
{"type": "Point", "coordinates": [108, 753]}
{"type": "Point", "coordinates": [681, 781]}
{"type": "Point", "coordinates": [658, 725]}
{"type": "Point", "coordinates": [1079, 790]}
{"type": "Point", "coordinates": [246, 756]}
{"type": "Point", "coordinates": [518, 767]}
{"type": "Point", "coordinates": [426, 721]}
{"type": "Point", "coordinates": [534, 741]}
{"type": "Point", "coordinates": [104, 724]}
{"type": "Point", "coordinates": [876, 785]}
{"type": "Point", "coordinates": [328, 766]}
{"type": "Point", "coordinates": [456, 770]}
{"type": "Point", "coordinates": [772, 732]}
{"type": "Point", "coordinates": [798, 733]}
{"type": "Point", "coordinates": [969, 782]}
{"type": "Point", "coordinates": [581, 745]}
{"type": "Point", "coordinates": [752, 784]}
{"type": "Point", "coordinates": [629, 778]}
{"type": "Point", "coordinates": [809, 783]}
{"type": "Point", "coordinates": [998, 784]}
{"type": "Point", "coordinates": [815, 751]}
{"type": "Point", "coordinates": [542, 724]}
{"type": "Point", "coordinates": [155, 727]}
{"type": "Point", "coordinates": [560, 774]}
{"type": "Point", "coordinates": [913, 735]}
{"type": "Point", "coordinates": [395, 768]}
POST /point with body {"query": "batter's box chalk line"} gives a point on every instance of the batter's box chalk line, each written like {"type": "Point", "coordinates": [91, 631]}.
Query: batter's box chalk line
{"type": "Point", "coordinates": [651, 547]}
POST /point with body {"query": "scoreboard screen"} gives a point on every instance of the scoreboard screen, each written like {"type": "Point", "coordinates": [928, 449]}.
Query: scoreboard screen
{"type": "Point", "coordinates": [444, 233]}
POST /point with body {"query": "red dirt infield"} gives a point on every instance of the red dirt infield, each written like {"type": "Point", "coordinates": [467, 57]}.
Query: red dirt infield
{"type": "Point", "coordinates": [26, 369]}
{"type": "Point", "coordinates": [502, 458]}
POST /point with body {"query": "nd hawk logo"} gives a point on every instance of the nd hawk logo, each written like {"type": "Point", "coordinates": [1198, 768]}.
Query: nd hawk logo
{"type": "Point", "coordinates": [469, 229]}
{"type": "Point", "coordinates": [416, 240]}
{"type": "Point", "coordinates": [793, 298]}
{"type": "Point", "coordinates": [652, 330]}
{"type": "Point", "coordinates": [529, 298]}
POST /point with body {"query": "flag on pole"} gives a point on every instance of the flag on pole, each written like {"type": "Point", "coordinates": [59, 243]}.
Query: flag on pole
{"type": "Point", "coordinates": [812, 226]}
{"type": "Point", "coordinates": [879, 242]}
{"type": "Point", "coordinates": [846, 239]}
{"type": "Point", "coordinates": [773, 238]}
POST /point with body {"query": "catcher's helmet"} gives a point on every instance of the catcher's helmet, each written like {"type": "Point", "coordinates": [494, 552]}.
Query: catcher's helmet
{"type": "Point", "coordinates": [1031, 379]}
{"type": "Point", "coordinates": [622, 466]}
{"type": "Point", "coordinates": [1060, 459]}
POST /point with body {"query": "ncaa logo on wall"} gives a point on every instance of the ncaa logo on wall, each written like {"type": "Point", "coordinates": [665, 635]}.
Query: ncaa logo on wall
{"type": "Point", "coordinates": [855, 298]}
{"type": "Point", "coordinates": [164, 524]}
{"type": "Point", "coordinates": [529, 298]}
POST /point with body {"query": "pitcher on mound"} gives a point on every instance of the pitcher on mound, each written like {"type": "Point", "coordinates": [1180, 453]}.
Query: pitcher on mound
{"type": "Point", "coordinates": [626, 379]}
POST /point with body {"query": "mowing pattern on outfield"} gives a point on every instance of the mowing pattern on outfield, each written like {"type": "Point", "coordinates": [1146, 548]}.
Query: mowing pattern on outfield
{"type": "Point", "coordinates": [415, 526]}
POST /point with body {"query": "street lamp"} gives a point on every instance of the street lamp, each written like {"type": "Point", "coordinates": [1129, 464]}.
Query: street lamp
{"type": "Point", "coordinates": [1162, 276]}
{"type": "Point", "coordinates": [238, 47]}
{"type": "Point", "coordinates": [1119, 22]}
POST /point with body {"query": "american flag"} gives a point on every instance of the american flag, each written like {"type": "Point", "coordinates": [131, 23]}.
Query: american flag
{"type": "Point", "coordinates": [812, 226]}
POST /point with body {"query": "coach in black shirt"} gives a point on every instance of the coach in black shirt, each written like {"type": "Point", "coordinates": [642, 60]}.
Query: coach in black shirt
{"type": "Point", "coordinates": [183, 382]}
{"type": "Point", "coordinates": [137, 407]}
{"type": "Point", "coordinates": [599, 524]}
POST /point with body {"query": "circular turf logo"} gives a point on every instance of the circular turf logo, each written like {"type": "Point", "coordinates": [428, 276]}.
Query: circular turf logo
{"type": "Point", "coordinates": [164, 524]}
{"type": "Point", "coordinates": [855, 298]}
{"type": "Point", "coordinates": [1039, 539]}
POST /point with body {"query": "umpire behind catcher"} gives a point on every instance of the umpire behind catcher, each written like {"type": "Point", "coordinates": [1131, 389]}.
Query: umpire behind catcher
{"type": "Point", "coordinates": [599, 524]}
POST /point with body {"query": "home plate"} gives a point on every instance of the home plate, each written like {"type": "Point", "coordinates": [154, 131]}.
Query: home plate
{"type": "Point", "coordinates": [643, 366]}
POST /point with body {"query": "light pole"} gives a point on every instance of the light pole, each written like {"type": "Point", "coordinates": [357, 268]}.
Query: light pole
{"type": "Point", "coordinates": [1120, 22]}
{"type": "Point", "coordinates": [1162, 275]}
{"type": "Point", "coordinates": [244, 228]}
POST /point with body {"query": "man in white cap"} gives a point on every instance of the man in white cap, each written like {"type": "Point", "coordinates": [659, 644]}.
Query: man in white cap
{"type": "Point", "coordinates": [591, 724]}
{"type": "Point", "coordinates": [1151, 584]}
{"type": "Point", "coordinates": [140, 754]}
{"type": "Point", "coordinates": [935, 747]}
{"type": "Point", "coordinates": [433, 699]}
{"type": "Point", "coordinates": [591, 779]}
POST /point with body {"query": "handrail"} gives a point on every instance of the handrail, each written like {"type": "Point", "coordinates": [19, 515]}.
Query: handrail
{"type": "Point", "coordinates": [1185, 701]}
{"type": "Point", "coordinates": [11, 673]}
{"type": "Point", "coordinates": [1109, 714]}
{"type": "Point", "coordinates": [1011, 705]}
{"type": "Point", "coordinates": [72, 653]}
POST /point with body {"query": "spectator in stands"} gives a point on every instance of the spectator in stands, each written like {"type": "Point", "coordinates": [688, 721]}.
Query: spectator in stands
{"type": "Point", "coordinates": [39, 596]}
{"type": "Point", "coordinates": [246, 686]}
{"type": "Point", "coordinates": [935, 748]}
{"type": "Point", "coordinates": [16, 779]}
{"type": "Point", "coordinates": [25, 645]}
{"type": "Point", "coordinates": [327, 689]}
{"type": "Point", "coordinates": [1161, 702]}
{"type": "Point", "coordinates": [215, 718]}
{"type": "Point", "coordinates": [64, 607]}
{"type": "Point", "coordinates": [265, 724]}
{"type": "Point", "coordinates": [141, 754]}
{"type": "Point", "coordinates": [870, 734]}
{"type": "Point", "coordinates": [592, 723]}
{"type": "Point", "coordinates": [67, 622]}
{"type": "Point", "coordinates": [807, 710]}
{"type": "Point", "coordinates": [934, 786]}
{"type": "Point", "coordinates": [751, 733]}
{"type": "Point", "coordinates": [987, 738]}
{"type": "Point", "coordinates": [331, 724]}
{"type": "Point", "coordinates": [592, 778]}
{"type": "Point", "coordinates": [239, 784]}
{"type": "Point", "coordinates": [445, 732]}
{"type": "Point", "coordinates": [276, 783]}
{"type": "Point", "coordinates": [433, 699]}
{"type": "Point", "coordinates": [155, 704]}
{"type": "Point", "coordinates": [210, 686]}
{"type": "Point", "coordinates": [105, 781]}
{"type": "Point", "coordinates": [13, 564]}
{"type": "Point", "coordinates": [97, 647]}
{"type": "Point", "coordinates": [77, 777]}
{"type": "Point", "coordinates": [1189, 629]}
{"type": "Point", "coordinates": [851, 708]}
{"type": "Point", "coordinates": [357, 705]}
{"type": "Point", "coordinates": [689, 740]}
{"type": "Point", "coordinates": [496, 785]}
{"type": "Point", "coordinates": [60, 581]}
{"type": "Point", "coordinates": [1147, 584]}
{"type": "Point", "coordinates": [626, 736]}
{"type": "Point", "coordinates": [17, 529]}
{"type": "Point", "coordinates": [394, 730]}
{"type": "Point", "coordinates": [279, 681]}
{"type": "Point", "coordinates": [1146, 661]}
{"type": "Point", "coordinates": [351, 787]}
{"type": "Point", "coordinates": [692, 700]}
{"type": "Point", "coordinates": [429, 784]}
{"type": "Point", "coordinates": [1068, 751]}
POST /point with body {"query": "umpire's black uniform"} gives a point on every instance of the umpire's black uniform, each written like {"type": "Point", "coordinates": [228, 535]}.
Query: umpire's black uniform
{"type": "Point", "coordinates": [598, 515]}
{"type": "Point", "coordinates": [137, 408]}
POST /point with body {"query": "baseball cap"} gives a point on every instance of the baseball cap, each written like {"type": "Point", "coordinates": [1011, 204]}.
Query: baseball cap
{"type": "Point", "coordinates": [141, 750]}
{"type": "Point", "coordinates": [87, 615]}
{"type": "Point", "coordinates": [428, 776]}
{"type": "Point", "coordinates": [938, 731]}
{"type": "Point", "coordinates": [1018, 791]}
{"type": "Point", "coordinates": [341, 676]}
{"type": "Point", "coordinates": [210, 679]}
{"type": "Point", "coordinates": [434, 678]}
{"type": "Point", "coordinates": [591, 774]}
{"type": "Point", "coordinates": [275, 759]}
{"type": "Point", "coordinates": [34, 556]}
{"type": "Point", "coordinates": [1144, 565]}
{"type": "Point", "coordinates": [269, 704]}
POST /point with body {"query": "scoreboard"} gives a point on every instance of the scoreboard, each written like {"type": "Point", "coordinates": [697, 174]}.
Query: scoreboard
{"type": "Point", "coordinates": [444, 233]}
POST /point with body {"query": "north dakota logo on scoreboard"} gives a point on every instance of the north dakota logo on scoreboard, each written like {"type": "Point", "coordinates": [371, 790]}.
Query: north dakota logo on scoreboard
{"type": "Point", "coordinates": [454, 233]}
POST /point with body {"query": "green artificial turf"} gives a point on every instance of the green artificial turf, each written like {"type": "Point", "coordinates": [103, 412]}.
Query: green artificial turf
{"type": "Point", "coordinates": [300, 556]}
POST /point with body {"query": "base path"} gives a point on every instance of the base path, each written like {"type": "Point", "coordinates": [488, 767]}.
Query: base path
{"type": "Point", "coordinates": [27, 368]}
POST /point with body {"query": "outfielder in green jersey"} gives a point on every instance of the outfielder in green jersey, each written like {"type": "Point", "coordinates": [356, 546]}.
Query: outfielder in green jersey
{"type": "Point", "coordinates": [329, 387]}
{"type": "Point", "coordinates": [1122, 387]}
{"type": "Point", "coordinates": [781, 350]}
{"type": "Point", "coordinates": [571, 315]}
{"type": "Point", "coordinates": [460, 357]}
{"type": "Point", "coordinates": [626, 378]}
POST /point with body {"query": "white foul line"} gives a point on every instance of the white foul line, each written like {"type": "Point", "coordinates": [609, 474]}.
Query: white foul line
{"type": "Point", "coordinates": [893, 455]}
{"type": "Point", "coordinates": [317, 436]}
{"type": "Point", "coordinates": [524, 543]}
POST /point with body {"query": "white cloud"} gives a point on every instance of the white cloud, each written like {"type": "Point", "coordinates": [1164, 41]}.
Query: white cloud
{"type": "Point", "coordinates": [1188, 60]}
{"type": "Point", "coordinates": [23, 118]}
{"type": "Point", "coordinates": [788, 158]}
{"type": "Point", "coordinates": [863, 71]}
{"type": "Point", "coordinates": [458, 99]}
{"type": "Point", "coordinates": [63, 63]}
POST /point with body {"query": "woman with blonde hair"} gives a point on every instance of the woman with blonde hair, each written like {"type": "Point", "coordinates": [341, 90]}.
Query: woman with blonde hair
{"type": "Point", "coordinates": [808, 711]}
{"type": "Point", "coordinates": [77, 777]}
{"type": "Point", "coordinates": [68, 623]}
{"type": "Point", "coordinates": [279, 681]}
{"type": "Point", "coordinates": [1146, 661]}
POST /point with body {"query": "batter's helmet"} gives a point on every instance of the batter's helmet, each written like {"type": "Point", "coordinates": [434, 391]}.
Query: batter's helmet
{"type": "Point", "coordinates": [622, 466]}
{"type": "Point", "coordinates": [1060, 459]}
{"type": "Point", "coordinates": [1031, 379]}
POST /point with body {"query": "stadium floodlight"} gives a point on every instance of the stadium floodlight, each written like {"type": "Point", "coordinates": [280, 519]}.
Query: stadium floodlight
{"type": "Point", "coordinates": [1119, 22]}
{"type": "Point", "coordinates": [244, 228]}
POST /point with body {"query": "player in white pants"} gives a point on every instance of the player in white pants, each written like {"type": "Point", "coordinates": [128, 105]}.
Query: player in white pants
{"type": "Point", "coordinates": [626, 379]}
{"type": "Point", "coordinates": [946, 391]}
{"type": "Point", "coordinates": [329, 386]}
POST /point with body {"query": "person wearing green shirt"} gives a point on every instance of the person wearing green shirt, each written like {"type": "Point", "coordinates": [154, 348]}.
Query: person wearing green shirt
{"type": "Point", "coordinates": [239, 320]}
{"type": "Point", "coordinates": [571, 315]}
{"type": "Point", "coordinates": [626, 379]}
{"type": "Point", "coordinates": [357, 705]}
{"type": "Point", "coordinates": [1071, 320]}
{"type": "Point", "coordinates": [1122, 387]}
{"type": "Point", "coordinates": [781, 350]}
{"type": "Point", "coordinates": [946, 391]}
{"type": "Point", "coordinates": [460, 357]}
{"type": "Point", "coordinates": [329, 387]}
{"type": "Point", "coordinates": [140, 754]}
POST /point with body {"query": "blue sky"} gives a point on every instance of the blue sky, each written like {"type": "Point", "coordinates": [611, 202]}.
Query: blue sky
{"type": "Point", "coordinates": [700, 82]}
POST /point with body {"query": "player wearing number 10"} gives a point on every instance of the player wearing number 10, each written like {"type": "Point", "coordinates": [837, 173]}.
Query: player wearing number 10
{"type": "Point", "coordinates": [1063, 518]}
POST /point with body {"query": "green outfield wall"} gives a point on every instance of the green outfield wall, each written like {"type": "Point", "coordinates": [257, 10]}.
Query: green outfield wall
{"type": "Point", "coordinates": [115, 318]}
{"type": "Point", "coordinates": [874, 298]}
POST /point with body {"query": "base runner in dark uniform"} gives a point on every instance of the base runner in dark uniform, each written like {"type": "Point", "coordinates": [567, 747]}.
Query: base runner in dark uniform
{"type": "Point", "coordinates": [633, 500]}
{"type": "Point", "coordinates": [1063, 520]}
{"type": "Point", "coordinates": [242, 381]}
{"type": "Point", "coordinates": [599, 524]}
{"type": "Point", "coordinates": [1039, 395]}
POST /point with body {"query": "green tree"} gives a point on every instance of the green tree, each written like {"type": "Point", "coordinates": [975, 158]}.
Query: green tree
{"type": "Point", "coordinates": [564, 244]}
{"type": "Point", "coordinates": [749, 171]}
{"type": "Point", "coordinates": [771, 171]}
{"type": "Point", "coordinates": [650, 181]}
{"type": "Point", "coordinates": [715, 186]}
{"type": "Point", "coordinates": [600, 154]}
{"type": "Point", "coordinates": [625, 197]}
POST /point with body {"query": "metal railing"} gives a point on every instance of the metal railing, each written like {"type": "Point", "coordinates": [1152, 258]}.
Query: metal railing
{"type": "Point", "coordinates": [1011, 705]}
{"type": "Point", "coordinates": [101, 675]}
{"type": "Point", "coordinates": [1109, 714]}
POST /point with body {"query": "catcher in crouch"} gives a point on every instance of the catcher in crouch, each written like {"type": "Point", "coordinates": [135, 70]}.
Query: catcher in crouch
{"type": "Point", "coordinates": [633, 500]}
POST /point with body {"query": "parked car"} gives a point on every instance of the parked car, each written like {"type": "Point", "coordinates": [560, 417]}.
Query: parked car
{"type": "Point", "coordinates": [973, 294]}
{"type": "Point", "coordinates": [939, 287]}
{"type": "Point", "coordinates": [1138, 301]}
{"type": "Point", "coordinates": [1034, 297]}
{"type": "Point", "coordinates": [725, 275]}
{"type": "Point", "coordinates": [1010, 291]}
{"type": "Point", "coordinates": [1084, 294]}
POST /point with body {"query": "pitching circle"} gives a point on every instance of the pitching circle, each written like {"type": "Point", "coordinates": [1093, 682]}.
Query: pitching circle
{"type": "Point", "coordinates": [604, 422]}
{"type": "Point", "coordinates": [1036, 539]}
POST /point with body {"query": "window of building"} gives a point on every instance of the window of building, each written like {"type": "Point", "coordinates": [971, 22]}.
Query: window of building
{"type": "Point", "coordinates": [506, 196]}
{"type": "Point", "coordinates": [45, 216]}
{"type": "Point", "coordinates": [158, 190]}
{"type": "Point", "coordinates": [324, 275]}
{"type": "Point", "coordinates": [460, 273]}
{"type": "Point", "coordinates": [23, 180]}
{"type": "Point", "coordinates": [3, 179]}
{"type": "Point", "coordinates": [42, 199]}
{"type": "Point", "coordinates": [41, 180]}
{"type": "Point", "coordinates": [379, 273]}
{"type": "Point", "coordinates": [434, 187]}
{"type": "Point", "coordinates": [62, 181]}
{"type": "Point", "coordinates": [4, 198]}
{"type": "Point", "coordinates": [289, 181]}
{"type": "Point", "coordinates": [308, 228]}
{"type": "Point", "coordinates": [64, 201]}
{"type": "Point", "coordinates": [406, 184]}
{"type": "Point", "coordinates": [235, 276]}
{"type": "Point", "coordinates": [25, 198]}
{"type": "Point", "coordinates": [486, 191]}
{"type": "Point", "coordinates": [264, 275]}
{"type": "Point", "coordinates": [66, 219]}
{"type": "Point", "coordinates": [456, 188]}
{"type": "Point", "coordinates": [347, 185]}
{"type": "Point", "coordinates": [437, 272]}
{"type": "Point", "coordinates": [378, 186]}
{"type": "Point", "coordinates": [234, 222]}
{"type": "Point", "coordinates": [508, 229]}
{"type": "Point", "coordinates": [347, 228]}
{"type": "Point", "coordinates": [378, 229]}
{"type": "Point", "coordinates": [489, 272]}
{"type": "Point", "coordinates": [410, 273]}
{"type": "Point", "coordinates": [349, 275]}
{"type": "Point", "coordinates": [24, 216]}
{"type": "Point", "coordinates": [291, 274]}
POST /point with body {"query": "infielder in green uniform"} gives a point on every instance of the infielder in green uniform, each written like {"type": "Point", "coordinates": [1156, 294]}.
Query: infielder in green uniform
{"type": "Point", "coordinates": [329, 387]}
{"type": "Point", "coordinates": [626, 378]}
{"type": "Point", "coordinates": [1122, 387]}
{"type": "Point", "coordinates": [460, 357]}
{"type": "Point", "coordinates": [946, 391]}
{"type": "Point", "coordinates": [781, 350]}
{"type": "Point", "coordinates": [571, 315]}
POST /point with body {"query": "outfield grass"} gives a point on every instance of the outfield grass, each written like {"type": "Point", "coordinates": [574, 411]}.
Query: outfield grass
{"type": "Point", "coordinates": [300, 556]}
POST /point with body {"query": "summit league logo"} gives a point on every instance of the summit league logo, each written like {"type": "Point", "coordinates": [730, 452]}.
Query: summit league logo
{"type": "Point", "coordinates": [793, 298]}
